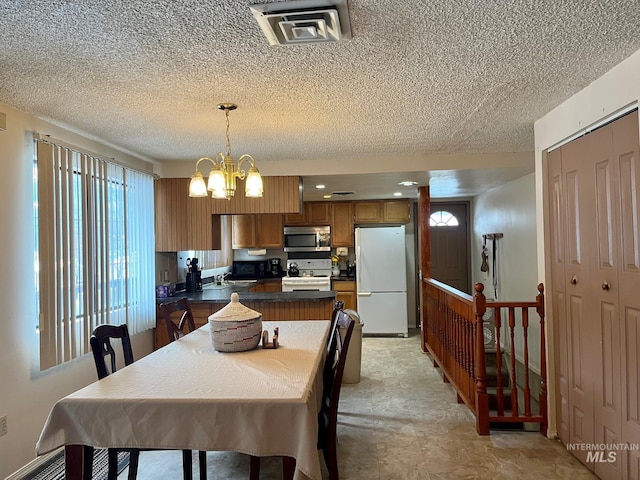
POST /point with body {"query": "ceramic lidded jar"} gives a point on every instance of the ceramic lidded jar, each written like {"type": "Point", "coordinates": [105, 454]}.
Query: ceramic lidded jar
{"type": "Point", "coordinates": [235, 327]}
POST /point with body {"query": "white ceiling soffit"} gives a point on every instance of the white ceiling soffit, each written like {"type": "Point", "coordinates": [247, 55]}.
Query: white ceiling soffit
{"type": "Point", "coordinates": [304, 21]}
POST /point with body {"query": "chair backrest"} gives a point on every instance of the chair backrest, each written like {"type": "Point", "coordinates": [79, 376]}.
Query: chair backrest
{"type": "Point", "coordinates": [101, 346]}
{"type": "Point", "coordinates": [338, 306]}
{"type": "Point", "coordinates": [334, 370]}
{"type": "Point", "coordinates": [183, 323]}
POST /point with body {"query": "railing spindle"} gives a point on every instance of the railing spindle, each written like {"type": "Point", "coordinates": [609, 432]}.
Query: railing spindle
{"type": "Point", "coordinates": [514, 390]}
{"type": "Point", "coordinates": [497, 321]}
{"type": "Point", "coordinates": [527, 390]}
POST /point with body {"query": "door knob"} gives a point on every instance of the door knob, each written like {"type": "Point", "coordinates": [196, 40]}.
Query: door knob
{"type": "Point", "coordinates": [606, 286]}
{"type": "Point", "coordinates": [574, 280]}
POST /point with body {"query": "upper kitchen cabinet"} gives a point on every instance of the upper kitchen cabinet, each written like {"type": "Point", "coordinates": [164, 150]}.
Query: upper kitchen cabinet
{"type": "Point", "coordinates": [342, 224]}
{"type": "Point", "coordinates": [315, 213]}
{"type": "Point", "coordinates": [396, 211]}
{"type": "Point", "coordinates": [257, 231]}
{"type": "Point", "coordinates": [281, 195]}
{"type": "Point", "coordinates": [382, 211]}
{"type": "Point", "coordinates": [368, 212]}
{"type": "Point", "coordinates": [181, 222]}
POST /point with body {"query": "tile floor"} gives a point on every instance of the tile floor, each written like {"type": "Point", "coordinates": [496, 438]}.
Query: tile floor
{"type": "Point", "coordinates": [402, 422]}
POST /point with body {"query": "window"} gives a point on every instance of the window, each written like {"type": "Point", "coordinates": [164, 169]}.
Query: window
{"type": "Point", "coordinates": [94, 249]}
{"type": "Point", "coordinates": [443, 218]}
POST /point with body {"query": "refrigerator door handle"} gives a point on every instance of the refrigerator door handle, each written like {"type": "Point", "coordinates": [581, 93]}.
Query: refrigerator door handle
{"type": "Point", "coordinates": [363, 294]}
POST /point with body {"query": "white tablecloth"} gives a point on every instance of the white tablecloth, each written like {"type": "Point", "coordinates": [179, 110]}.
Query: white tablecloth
{"type": "Point", "coordinates": [189, 396]}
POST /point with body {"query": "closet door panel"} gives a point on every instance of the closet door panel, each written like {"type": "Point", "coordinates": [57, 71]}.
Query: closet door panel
{"type": "Point", "coordinates": [604, 267]}
{"type": "Point", "coordinates": [561, 340]}
{"type": "Point", "coordinates": [625, 144]}
{"type": "Point", "coordinates": [580, 204]}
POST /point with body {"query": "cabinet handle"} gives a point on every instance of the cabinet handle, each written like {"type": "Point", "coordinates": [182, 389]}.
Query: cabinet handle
{"type": "Point", "coordinates": [574, 280]}
{"type": "Point", "coordinates": [606, 286]}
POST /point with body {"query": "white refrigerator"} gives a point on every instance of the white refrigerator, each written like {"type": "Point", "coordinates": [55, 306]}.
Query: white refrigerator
{"type": "Point", "coordinates": [381, 280]}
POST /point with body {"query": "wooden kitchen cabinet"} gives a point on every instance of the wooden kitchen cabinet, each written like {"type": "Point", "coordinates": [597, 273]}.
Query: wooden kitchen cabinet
{"type": "Point", "coordinates": [182, 222]}
{"type": "Point", "coordinates": [257, 231]}
{"type": "Point", "coordinates": [342, 224]}
{"type": "Point", "coordinates": [346, 291]}
{"type": "Point", "coordinates": [315, 214]}
{"type": "Point", "coordinates": [269, 230]}
{"type": "Point", "coordinates": [396, 211]}
{"type": "Point", "coordinates": [243, 231]}
{"type": "Point", "coordinates": [368, 212]}
{"type": "Point", "coordinates": [383, 211]}
{"type": "Point", "coordinates": [271, 285]}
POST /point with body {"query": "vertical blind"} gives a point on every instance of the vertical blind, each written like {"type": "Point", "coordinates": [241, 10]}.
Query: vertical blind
{"type": "Point", "coordinates": [95, 259]}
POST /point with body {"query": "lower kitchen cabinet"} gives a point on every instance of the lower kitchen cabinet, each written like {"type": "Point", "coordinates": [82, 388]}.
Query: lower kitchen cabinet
{"type": "Point", "coordinates": [346, 292]}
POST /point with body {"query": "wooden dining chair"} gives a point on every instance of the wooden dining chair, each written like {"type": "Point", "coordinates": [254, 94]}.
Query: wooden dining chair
{"type": "Point", "coordinates": [337, 348]}
{"type": "Point", "coordinates": [333, 372]}
{"type": "Point", "coordinates": [178, 324]}
{"type": "Point", "coordinates": [101, 347]}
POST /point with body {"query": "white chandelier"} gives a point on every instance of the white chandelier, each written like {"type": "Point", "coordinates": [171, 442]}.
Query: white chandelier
{"type": "Point", "coordinates": [223, 174]}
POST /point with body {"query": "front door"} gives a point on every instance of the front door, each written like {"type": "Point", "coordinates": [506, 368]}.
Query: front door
{"type": "Point", "coordinates": [450, 244]}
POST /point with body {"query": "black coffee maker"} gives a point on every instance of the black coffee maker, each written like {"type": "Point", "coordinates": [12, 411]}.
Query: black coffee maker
{"type": "Point", "coordinates": [194, 276]}
{"type": "Point", "coordinates": [275, 268]}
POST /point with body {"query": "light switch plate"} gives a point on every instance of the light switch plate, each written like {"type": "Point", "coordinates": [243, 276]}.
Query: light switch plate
{"type": "Point", "coordinates": [3, 121]}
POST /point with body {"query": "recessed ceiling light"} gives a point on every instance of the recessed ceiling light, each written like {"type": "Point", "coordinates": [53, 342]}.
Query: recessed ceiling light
{"type": "Point", "coordinates": [320, 187]}
{"type": "Point", "coordinates": [408, 183]}
{"type": "Point", "coordinates": [397, 194]}
{"type": "Point", "coordinates": [326, 196]}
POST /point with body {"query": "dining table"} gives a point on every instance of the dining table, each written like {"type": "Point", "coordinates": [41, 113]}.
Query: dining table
{"type": "Point", "coordinates": [188, 396]}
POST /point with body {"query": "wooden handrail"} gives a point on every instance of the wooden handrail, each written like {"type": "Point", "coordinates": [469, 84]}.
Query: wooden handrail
{"type": "Point", "coordinates": [453, 324]}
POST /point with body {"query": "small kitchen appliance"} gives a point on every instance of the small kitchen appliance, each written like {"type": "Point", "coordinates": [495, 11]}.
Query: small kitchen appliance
{"type": "Point", "coordinates": [307, 239]}
{"type": "Point", "coordinates": [275, 268]}
{"type": "Point", "coordinates": [193, 281]}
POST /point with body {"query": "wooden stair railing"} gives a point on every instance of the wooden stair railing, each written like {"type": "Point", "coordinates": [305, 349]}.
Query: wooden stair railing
{"type": "Point", "coordinates": [453, 334]}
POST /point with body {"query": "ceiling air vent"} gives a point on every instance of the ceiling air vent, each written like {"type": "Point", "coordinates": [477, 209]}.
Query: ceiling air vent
{"type": "Point", "coordinates": [343, 193]}
{"type": "Point", "coordinates": [303, 21]}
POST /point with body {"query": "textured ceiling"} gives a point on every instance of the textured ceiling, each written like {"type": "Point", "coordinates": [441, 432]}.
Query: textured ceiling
{"type": "Point", "coordinates": [418, 78]}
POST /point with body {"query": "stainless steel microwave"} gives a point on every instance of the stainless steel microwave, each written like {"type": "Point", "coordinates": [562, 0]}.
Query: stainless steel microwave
{"type": "Point", "coordinates": [307, 239]}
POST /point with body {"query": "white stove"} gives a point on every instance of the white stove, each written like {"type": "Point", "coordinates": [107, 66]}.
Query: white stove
{"type": "Point", "coordinates": [313, 274]}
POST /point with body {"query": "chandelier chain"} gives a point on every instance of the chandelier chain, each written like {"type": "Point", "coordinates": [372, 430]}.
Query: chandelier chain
{"type": "Point", "coordinates": [226, 112]}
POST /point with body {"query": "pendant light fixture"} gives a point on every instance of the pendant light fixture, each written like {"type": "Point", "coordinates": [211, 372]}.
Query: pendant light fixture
{"type": "Point", "coordinates": [222, 177]}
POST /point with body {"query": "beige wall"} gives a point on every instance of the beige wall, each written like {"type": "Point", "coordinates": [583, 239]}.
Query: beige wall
{"type": "Point", "coordinates": [509, 209]}
{"type": "Point", "coordinates": [26, 394]}
{"type": "Point", "coordinates": [615, 90]}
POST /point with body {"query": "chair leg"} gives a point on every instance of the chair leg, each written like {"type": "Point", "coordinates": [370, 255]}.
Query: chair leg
{"type": "Point", "coordinates": [255, 468]}
{"type": "Point", "coordinates": [187, 467]}
{"type": "Point", "coordinates": [134, 458]}
{"type": "Point", "coordinates": [202, 462]}
{"type": "Point", "coordinates": [87, 465]}
{"type": "Point", "coordinates": [288, 467]}
{"type": "Point", "coordinates": [331, 459]}
{"type": "Point", "coordinates": [112, 464]}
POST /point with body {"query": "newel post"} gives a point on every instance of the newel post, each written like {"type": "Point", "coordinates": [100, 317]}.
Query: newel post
{"type": "Point", "coordinates": [543, 361]}
{"type": "Point", "coordinates": [482, 398]}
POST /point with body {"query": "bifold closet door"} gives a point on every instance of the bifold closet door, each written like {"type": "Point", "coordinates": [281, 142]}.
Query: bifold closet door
{"type": "Point", "coordinates": [626, 155]}
{"type": "Point", "coordinates": [594, 200]}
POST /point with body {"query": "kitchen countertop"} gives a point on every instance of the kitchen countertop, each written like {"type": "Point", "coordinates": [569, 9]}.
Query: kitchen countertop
{"type": "Point", "coordinates": [222, 294]}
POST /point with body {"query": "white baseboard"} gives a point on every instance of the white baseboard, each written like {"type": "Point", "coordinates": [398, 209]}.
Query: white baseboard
{"type": "Point", "coordinates": [33, 465]}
